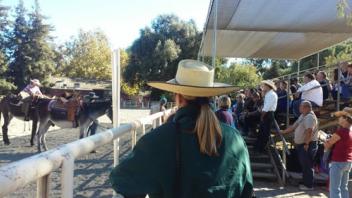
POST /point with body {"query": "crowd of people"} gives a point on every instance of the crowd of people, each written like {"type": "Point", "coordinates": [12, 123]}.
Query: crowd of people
{"type": "Point", "coordinates": [198, 148]}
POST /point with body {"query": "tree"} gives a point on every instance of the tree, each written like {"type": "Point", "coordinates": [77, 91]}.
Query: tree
{"type": "Point", "coordinates": [5, 85]}
{"type": "Point", "coordinates": [42, 55]}
{"type": "Point", "coordinates": [156, 53]}
{"type": "Point", "coordinates": [239, 75]}
{"type": "Point", "coordinates": [88, 56]}
{"type": "Point", "coordinates": [20, 48]}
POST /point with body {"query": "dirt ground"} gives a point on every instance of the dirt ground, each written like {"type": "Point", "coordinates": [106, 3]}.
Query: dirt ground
{"type": "Point", "coordinates": [91, 171]}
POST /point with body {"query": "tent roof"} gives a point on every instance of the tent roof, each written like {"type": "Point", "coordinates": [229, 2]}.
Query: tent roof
{"type": "Point", "coordinates": [278, 29]}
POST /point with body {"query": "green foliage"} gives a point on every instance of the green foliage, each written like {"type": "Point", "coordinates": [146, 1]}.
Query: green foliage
{"type": "Point", "coordinates": [130, 90]}
{"type": "Point", "coordinates": [5, 85]}
{"type": "Point", "coordinates": [339, 53]}
{"type": "Point", "coordinates": [42, 55]}
{"type": "Point", "coordinates": [344, 11]}
{"type": "Point", "coordinates": [88, 56]}
{"type": "Point", "coordinates": [156, 53]}
{"type": "Point", "coordinates": [239, 75]}
{"type": "Point", "coordinates": [20, 48]}
{"type": "Point", "coordinates": [30, 47]}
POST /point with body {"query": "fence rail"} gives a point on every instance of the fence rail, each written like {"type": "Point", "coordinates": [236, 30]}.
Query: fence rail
{"type": "Point", "coordinates": [38, 168]}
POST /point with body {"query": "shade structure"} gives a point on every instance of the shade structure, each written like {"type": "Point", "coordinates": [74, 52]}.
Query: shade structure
{"type": "Point", "coordinates": [277, 29]}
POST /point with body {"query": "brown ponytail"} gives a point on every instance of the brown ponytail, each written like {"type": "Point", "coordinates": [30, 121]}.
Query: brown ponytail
{"type": "Point", "coordinates": [208, 131]}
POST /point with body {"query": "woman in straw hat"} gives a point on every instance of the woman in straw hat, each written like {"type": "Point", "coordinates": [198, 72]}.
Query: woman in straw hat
{"type": "Point", "coordinates": [191, 155]}
{"type": "Point", "coordinates": [341, 157]}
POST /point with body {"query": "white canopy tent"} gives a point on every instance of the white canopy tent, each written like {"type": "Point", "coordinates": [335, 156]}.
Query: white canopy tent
{"type": "Point", "coordinates": [277, 29]}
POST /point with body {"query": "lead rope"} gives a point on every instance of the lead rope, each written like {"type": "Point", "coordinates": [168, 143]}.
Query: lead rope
{"type": "Point", "coordinates": [177, 187]}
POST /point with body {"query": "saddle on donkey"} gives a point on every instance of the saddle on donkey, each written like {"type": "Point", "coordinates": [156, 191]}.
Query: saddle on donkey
{"type": "Point", "coordinates": [66, 107]}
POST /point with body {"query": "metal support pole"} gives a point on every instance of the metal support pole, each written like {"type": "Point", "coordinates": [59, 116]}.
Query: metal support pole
{"type": "Point", "coordinates": [215, 32]}
{"type": "Point", "coordinates": [318, 60]}
{"type": "Point", "coordinates": [298, 68]}
{"type": "Point", "coordinates": [67, 177]}
{"type": "Point", "coordinates": [116, 99]}
{"type": "Point", "coordinates": [284, 169]}
{"type": "Point", "coordinates": [338, 87]}
{"type": "Point", "coordinates": [43, 187]}
{"type": "Point", "coordinates": [288, 102]}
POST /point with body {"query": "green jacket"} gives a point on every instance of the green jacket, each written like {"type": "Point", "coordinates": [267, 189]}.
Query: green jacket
{"type": "Point", "coordinates": [150, 168]}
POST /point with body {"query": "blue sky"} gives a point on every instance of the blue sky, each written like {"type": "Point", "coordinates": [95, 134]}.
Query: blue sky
{"type": "Point", "coordinates": [121, 20]}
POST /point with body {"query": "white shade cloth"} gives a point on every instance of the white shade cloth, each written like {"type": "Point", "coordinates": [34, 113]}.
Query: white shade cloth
{"type": "Point", "coordinates": [278, 29]}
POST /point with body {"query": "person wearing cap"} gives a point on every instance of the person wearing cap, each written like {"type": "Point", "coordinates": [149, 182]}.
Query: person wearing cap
{"type": "Point", "coordinates": [267, 115]}
{"type": "Point", "coordinates": [192, 154]}
{"type": "Point", "coordinates": [341, 157]}
{"type": "Point", "coordinates": [306, 142]}
{"type": "Point", "coordinates": [27, 94]}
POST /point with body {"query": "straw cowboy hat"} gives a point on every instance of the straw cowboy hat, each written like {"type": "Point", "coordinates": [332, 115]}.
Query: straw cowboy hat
{"type": "Point", "coordinates": [269, 83]}
{"type": "Point", "coordinates": [345, 112]}
{"type": "Point", "coordinates": [194, 78]}
{"type": "Point", "coordinates": [36, 82]}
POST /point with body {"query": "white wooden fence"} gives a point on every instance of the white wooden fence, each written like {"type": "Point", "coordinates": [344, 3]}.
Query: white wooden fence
{"type": "Point", "coordinates": [38, 168]}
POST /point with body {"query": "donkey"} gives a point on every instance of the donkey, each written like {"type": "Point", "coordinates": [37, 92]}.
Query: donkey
{"type": "Point", "coordinates": [86, 116]}
{"type": "Point", "coordinates": [10, 107]}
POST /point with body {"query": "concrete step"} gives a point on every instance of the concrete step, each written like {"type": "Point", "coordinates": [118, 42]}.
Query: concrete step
{"type": "Point", "coordinates": [249, 140]}
{"type": "Point", "coordinates": [263, 175]}
{"type": "Point", "coordinates": [258, 166]}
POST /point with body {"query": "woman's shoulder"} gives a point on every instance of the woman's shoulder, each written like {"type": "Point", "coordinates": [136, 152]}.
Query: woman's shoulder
{"type": "Point", "coordinates": [231, 133]}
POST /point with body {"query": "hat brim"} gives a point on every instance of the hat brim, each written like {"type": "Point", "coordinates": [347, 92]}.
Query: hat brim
{"type": "Point", "coordinates": [173, 86]}
{"type": "Point", "coordinates": [269, 85]}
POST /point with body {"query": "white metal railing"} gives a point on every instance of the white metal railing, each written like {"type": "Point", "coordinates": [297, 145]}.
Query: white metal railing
{"type": "Point", "coordinates": [38, 168]}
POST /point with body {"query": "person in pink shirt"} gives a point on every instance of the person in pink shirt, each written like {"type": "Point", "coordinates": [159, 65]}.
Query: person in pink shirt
{"type": "Point", "coordinates": [27, 94]}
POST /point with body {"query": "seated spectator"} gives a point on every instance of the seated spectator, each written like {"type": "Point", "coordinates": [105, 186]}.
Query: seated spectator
{"type": "Point", "coordinates": [325, 84]}
{"type": "Point", "coordinates": [311, 91]}
{"type": "Point", "coordinates": [282, 98]}
{"type": "Point", "coordinates": [223, 114]}
{"type": "Point", "coordinates": [294, 82]}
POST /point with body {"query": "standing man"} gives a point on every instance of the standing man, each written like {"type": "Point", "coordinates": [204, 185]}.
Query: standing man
{"type": "Point", "coordinates": [305, 138]}
{"type": "Point", "coordinates": [267, 114]}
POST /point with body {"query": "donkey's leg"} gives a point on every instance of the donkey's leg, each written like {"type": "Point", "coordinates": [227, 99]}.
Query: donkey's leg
{"type": "Point", "coordinates": [34, 130]}
{"type": "Point", "coordinates": [7, 119]}
{"type": "Point", "coordinates": [40, 133]}
{"type": "Point", "coordinates": [44, 134]}
{"type": "Point", "coordinates": [84, 125]}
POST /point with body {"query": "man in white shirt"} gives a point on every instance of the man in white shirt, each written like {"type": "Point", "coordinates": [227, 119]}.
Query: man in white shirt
{"type": "Point", "coordinates": [267, 115]}
{"type": "Point", "coordinates": [311, 91]}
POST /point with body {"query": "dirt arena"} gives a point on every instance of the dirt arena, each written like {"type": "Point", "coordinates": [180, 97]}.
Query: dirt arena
{"type": "Point", "coordinates": [91, 171]}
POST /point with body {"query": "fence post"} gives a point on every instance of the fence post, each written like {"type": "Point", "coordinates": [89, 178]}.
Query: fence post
{"type": "Point", "coordinates": [134, 137]}
{"type": "Point", "coordinates": [116, 98]}
{"type": "Point", "coordinates": [143, 129]}
{"type": "Point", "coordinates": [43, 186]}
{"type": "Point", "coordinates": [67, 177]}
